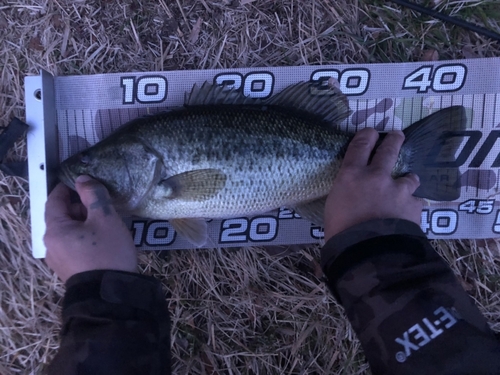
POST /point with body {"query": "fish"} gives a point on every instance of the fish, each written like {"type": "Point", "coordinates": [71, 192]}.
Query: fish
{"type": "Point", "coordinates": [224, 155]}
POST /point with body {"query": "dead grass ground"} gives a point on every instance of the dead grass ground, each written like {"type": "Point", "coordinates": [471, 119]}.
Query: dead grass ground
{"type": "Point", "coordinates": [237, 311]}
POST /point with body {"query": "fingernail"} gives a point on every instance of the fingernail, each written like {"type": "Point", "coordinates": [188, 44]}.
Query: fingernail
{"type": "Point", "coordinates": [82, 179]}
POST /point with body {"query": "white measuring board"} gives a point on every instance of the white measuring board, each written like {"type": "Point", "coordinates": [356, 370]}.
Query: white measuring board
{"type": "Point", "coordinates": [68, 114]}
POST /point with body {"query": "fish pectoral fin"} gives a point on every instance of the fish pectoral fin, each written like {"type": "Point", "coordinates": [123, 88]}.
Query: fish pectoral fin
{"type": "Point", "coordinates": [195, 230]}
{"type": "Point", "coordinates": [313, 211]}
{"type": "Point", "coordinates": [198, 185]}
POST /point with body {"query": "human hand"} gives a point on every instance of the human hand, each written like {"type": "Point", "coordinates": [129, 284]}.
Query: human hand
{"type": "Point", "coordinates": [86, 236]}
{"type": "Point", "coordinates": [363, 191]}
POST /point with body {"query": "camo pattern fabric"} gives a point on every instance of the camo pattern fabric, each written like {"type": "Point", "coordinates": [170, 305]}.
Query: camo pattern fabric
{"type": "Point", "coordinates": [405, 304]}
{"type": "Point", "coordinates": [113, 323]}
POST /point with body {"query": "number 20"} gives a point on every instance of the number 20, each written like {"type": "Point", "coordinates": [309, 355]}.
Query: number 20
{"type": "Point", "coordinates": [257, 229]}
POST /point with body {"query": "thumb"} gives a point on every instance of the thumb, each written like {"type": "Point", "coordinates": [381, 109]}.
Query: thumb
{"type": "Point", "coordinates": [95, 197]}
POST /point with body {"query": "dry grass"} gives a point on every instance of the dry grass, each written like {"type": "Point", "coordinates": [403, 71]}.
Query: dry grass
{"type": "Point", "coordinates": [239, 311]}
{"type": "Point", "coordinates": [246, 312]}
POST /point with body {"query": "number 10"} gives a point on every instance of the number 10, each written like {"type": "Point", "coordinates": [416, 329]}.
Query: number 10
{"type": "Point", "coordinates": [147, 89]}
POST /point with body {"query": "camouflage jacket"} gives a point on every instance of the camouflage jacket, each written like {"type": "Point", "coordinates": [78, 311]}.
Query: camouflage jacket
{"type": "Point", "coordinates": [403, 301]}
{"type": "Point", "coordinates": [114, 323]}
{"type": "Point", "coordinates": [405, 304]}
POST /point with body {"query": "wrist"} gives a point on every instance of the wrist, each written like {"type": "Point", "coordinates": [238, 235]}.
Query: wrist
{"type": "Point", "coordinates": [366, 230]}
{"type": "Point", "coordinates": [83, 273]}
{"type": "Point", "coordinates": [112, 286]}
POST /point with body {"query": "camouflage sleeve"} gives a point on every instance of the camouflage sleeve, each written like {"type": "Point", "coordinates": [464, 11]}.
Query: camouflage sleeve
{"type": "Point", "coordinates": [405, 304]}
{"type": "Point", "coordinates": [113, 323]}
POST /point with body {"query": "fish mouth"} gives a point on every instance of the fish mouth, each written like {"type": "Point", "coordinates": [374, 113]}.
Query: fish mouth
{"type": "Point", "coordinates": [66, 177]}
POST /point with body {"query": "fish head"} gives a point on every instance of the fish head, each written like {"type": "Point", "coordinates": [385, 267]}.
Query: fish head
{"type": "Point", "coordinates": [127, 169]}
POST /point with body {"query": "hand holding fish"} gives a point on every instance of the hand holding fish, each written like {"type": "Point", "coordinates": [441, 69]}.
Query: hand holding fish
{"type": "Point", "coordinates": [86, 236]}
{"type": "Point", "coordinates": [364, 189]}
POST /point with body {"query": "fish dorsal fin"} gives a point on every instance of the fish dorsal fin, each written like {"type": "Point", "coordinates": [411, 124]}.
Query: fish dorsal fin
{"type": "Point", "coordinates": [209, 94]}
{"type": "Point", "coordinates": [197, 185]}
{"type": "Point", "coordinates": [329, 102]}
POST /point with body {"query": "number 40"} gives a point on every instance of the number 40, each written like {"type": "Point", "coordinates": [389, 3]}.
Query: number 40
{"type": "Point", "coordinates": [446, 78]}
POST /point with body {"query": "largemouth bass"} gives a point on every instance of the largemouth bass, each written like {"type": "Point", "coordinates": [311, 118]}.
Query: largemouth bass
{"type": "Point", "coordinates": [224, 155]}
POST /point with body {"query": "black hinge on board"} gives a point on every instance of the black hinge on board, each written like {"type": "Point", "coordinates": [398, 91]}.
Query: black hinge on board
{"type": "Point", "coordinates": [15, 130]}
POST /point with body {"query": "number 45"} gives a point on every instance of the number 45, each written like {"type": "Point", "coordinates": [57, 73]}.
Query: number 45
{"type": "Point", "coordinates": [477, 206]}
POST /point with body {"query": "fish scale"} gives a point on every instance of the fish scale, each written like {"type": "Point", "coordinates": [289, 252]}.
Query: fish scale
{"type": "Point", "coordinates": [268, 156]}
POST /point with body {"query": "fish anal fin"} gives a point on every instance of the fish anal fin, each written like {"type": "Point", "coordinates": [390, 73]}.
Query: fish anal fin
{"type": "Point", "coordinates": [194, 230]}
{"type": "Point", "coordinates": [197, 185]}
{"type": "Point", "coordinates": [313, 211]}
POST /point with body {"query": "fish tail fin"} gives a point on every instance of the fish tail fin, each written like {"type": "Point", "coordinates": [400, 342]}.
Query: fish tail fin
{"type": "Point", "coordinates": [433, 142]}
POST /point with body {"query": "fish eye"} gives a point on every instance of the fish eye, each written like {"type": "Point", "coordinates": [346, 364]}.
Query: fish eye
{"type": "Point", "coordinates": [84, 158]}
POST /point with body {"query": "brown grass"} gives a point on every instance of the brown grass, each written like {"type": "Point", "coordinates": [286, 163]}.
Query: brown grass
{"type": "Point", "coordinates": [235, 311]}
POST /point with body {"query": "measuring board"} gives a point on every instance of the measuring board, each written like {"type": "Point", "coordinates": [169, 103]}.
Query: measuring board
{"type": "Point", "coordinates": [69, 114]}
